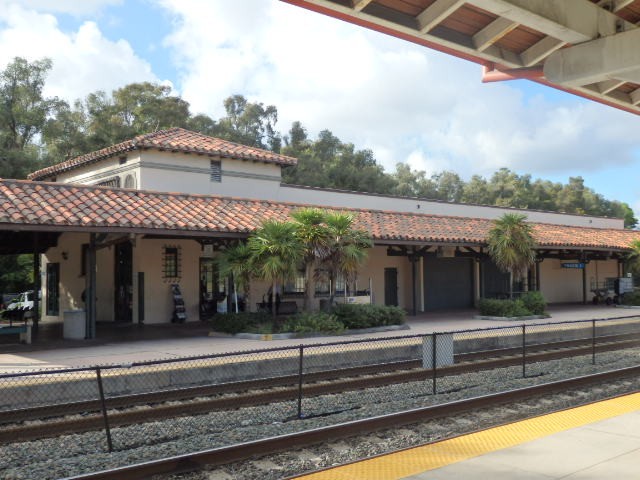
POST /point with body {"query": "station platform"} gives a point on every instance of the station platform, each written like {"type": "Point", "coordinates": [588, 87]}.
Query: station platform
{"type": "Point", "coordinates": [598, 441]}
{"type": "Point", "coordinates": [126, 343]}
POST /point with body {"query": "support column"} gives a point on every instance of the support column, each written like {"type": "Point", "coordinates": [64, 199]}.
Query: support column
{"type": "Point", "coordinates": [413, 258]}
{"type": "Point", "coordinates": [584, 284]}
{"type": "Point", "coordinates": [90, 294]}
{"type": "Point", "coordinates": [36, 284]}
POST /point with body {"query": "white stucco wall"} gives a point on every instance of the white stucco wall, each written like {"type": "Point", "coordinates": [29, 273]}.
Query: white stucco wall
{"type": "Point", "coordinates": [176, 172]}
{"type": "Point", "coordinates": [158, 299]}
{"type": "Point", "coordinates": [103, 170]}
{"type": "Point", "coordinates": [318, 196]}
{"type": "Point", "coordinates": [561, 285]}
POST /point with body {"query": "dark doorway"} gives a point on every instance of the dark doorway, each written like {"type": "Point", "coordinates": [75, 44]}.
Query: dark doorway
{"type": "Point", "coordinates": [391, 286]}
{"type": "Point", "coordinates": [448, 283]}
{"type": "Point", "coordinates": [213, 291]}
{"type": "Point", "coordinates": [53, 289]}
{"type": "Point", "coordinates": [495, 283]}
{"type": "Point", "coordinates": [123, 283]}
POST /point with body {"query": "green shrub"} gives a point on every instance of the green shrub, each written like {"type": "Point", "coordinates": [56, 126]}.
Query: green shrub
{"type": "Point", "coordinates": [240, 322]}
{"type": "Point", "coordinates": [503, 308]}
{"type": "Point", "coordinates": [534, 302]}
{"type": "Point", "coordinates": [631, 298]}
{"type": "Point", "coordinates": [309, 322]}
{"type": "Point", "coordinates": [355, 316]}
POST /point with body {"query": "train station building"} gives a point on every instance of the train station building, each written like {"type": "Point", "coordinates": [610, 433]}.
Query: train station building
{"type": "Point", "coordinates": [129, 221]}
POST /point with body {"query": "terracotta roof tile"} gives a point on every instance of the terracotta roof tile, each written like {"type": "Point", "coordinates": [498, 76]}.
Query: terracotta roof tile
{"type": "Point", "coordinates": [172, 140]}
{"type": "Point", "coordinates": [67, 206]}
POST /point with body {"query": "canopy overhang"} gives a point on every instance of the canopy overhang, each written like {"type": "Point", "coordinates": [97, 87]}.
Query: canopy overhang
{"type": "Point", "coordinates": [588, 48]}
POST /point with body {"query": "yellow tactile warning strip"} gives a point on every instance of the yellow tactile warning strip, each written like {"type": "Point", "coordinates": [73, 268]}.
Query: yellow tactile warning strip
{"type": "Point", "coordinates": [429, 457]}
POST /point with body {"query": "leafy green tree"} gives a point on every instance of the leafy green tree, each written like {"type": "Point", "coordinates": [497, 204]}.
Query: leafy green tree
{"type": "Point", "coordinates": [24, 112]}
{"type": "Point", "coordinates": [312, 231]}
{"type": "Point", "coordinates": [511, 246]}
{"type": "Point", "coordinates": [348, 249]}
{"type": "Point", "coordinates": [250, 124]}
{"type": "Point", "coordinates": [276, 252]}
{"type": "Point", "coordinates": [237, 261]}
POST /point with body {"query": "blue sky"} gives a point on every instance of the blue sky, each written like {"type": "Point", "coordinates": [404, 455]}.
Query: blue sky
{"type": "Point", "coordinates": [405, 102]}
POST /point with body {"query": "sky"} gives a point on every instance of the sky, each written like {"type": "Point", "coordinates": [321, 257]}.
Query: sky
{"type": "Point", "coordinates": [404, 102]}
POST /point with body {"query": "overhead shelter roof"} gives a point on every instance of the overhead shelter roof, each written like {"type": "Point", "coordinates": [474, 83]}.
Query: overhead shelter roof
{"type": "Point", "coordinates": [55, 207]}
{"type": "Point", "coordinates": [586, 47]}
{"type": "Point", "coordinates": [171, 140]}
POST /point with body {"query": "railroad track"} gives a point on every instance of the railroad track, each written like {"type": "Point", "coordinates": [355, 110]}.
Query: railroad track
{"type": "Point", "coordinates": [66, 419]}
{"type": "Point", "coordinates": [296, 441]}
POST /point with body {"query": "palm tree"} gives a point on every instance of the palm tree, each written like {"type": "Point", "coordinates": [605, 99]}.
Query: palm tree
{"type": "Point", "coordinates": [511, 246]}
{"type": "Point", "coordinates": [312, 231]}
{"type": "Point", "coordinates": [632, 258]}
{"type": "Point", "coordinates": [276, 252]}
{"type": "Point", "coordinates": [237, 261]}
{"type": "Point", "coordinates": [347, 249]}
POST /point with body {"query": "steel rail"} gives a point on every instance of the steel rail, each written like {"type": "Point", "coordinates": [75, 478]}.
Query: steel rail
{"type": "Point", "coordinates": [243, 451]}
{"type": "Point", "coordinates": [94, 421]}
{"type": "Point", "coordinates": [92, 406]}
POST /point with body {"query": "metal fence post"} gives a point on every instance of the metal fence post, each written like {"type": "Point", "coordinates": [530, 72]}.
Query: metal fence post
{"type": "Point", "coordinates": [104, 409]}
{"type": "Point", "coordinates": [300, 367]}
{"type": "Point", "coordinates": [433, 362]}
{"type": "Point", "coordinates": [593, 341]}
{"type": "Point", "coordinates": [524, 351]}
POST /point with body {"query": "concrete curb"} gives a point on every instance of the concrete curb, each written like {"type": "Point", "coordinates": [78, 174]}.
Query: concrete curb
{"type": "Point", "coordinates": [286, 336]}
{"type": "Point", "coordinates": [510, 319]}
{"type": "Point", "coordinates": [629, 307]}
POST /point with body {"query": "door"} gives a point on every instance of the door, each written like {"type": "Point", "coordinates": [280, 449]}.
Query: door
{"type": "Point", "coordinates": [448, 283]}
{"type": "Point", "coordinates": [53, 289]}
{"type": "Point", "coordinates": [213, 290]}
{"type": "Point", "coordinates": [391, 286]}
{"type": "Point", "coordinates": [123, 283]}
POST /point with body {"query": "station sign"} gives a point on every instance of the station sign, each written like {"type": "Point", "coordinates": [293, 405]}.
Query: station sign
{"type": "Point", "coordinates": [573, 265]}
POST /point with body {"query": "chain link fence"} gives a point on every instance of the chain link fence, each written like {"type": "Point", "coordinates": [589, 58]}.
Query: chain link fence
{"type": "Point", "coordinates": [228, 398]}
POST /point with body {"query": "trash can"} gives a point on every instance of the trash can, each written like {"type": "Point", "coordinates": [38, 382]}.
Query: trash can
{"type": "Point", "coordinates": [74, 326]}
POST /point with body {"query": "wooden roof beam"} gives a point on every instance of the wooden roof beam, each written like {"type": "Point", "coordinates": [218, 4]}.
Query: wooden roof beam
{"type": "Point", "coordinates": [436, 13]}
{"type": "Point", "coordinates": [359, 5]}
{"type": "Point", "coordinates": [492, 33]}
{"type": "Point", "coordinates": [540, 50]}
{"type": "Point", "coordinates": [635, 96]}
{"type": "Point", "coordinates": [613, 57]}
{"type": "Point", "coordinates": [607, 86]}
{"type": "Point", "coordinates": [572, 21]}
{"type": "Point", "coordinates": [614, 5]}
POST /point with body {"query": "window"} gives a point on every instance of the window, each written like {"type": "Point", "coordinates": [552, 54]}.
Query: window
{"type": "Point", "coordinates": [130, 181]}
{"type": "Point", "coordinates": [53, 289]}
{"type": "Point", "coordinates": [295, 286]}
{"type": "Point", "coordinates": [111, 182]}
{"type": "Point", "coordinates": [216, 171]}
{"type": "Point", "coordinates": [171, 264]}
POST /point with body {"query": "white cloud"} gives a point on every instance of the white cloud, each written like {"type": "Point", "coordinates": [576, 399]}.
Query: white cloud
{"type": "Point", "coordinates": [405, 102]}
{"type": "Point", "coordinates": [72, 7]}
{"type": "Point", "coordinates": [83, 61]}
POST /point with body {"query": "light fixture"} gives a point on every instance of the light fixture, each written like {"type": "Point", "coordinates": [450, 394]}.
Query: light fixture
{"type": "Point", "coordinates": [65, 255]}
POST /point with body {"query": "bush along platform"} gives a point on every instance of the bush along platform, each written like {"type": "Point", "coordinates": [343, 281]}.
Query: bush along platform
{"type": "Point", "coordinates": [528, 306]}
{"type": "Point", "coordinates": [342, 319]}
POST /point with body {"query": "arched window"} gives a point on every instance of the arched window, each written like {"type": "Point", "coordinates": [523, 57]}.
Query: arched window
{"type": "Point", "coordinates": [130, 182]}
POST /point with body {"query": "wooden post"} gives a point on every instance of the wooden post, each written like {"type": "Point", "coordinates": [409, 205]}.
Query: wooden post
{"type": "Point", "coordinates": [36, 284]}
{"type": "Point", "coordinates": [90, 293]}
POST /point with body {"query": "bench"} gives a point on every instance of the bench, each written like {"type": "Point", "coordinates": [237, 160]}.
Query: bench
{"type": "Point", "coordinates": [24, 331]}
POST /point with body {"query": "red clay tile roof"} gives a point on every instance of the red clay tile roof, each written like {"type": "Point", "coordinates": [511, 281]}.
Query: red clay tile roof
{"type": "Point", "coordinates": [172, 140]}
{"type": "Point", "coordinates": [55, 206]}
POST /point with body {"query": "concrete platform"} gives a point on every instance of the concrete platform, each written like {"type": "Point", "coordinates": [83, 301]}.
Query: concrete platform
{"type": "Point", "coordinates": [599, 441]}
{"type": "Point", "coordinates": [130, 343]}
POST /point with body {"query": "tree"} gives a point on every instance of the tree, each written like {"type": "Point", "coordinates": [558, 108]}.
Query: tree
{"type": "Point", "coordinates": [312, 231]}
{"type": "Point", "coordinates": [23, 114]}
{"type": "Point", "coordinates": [276, 252]}
{"type": "Point", "coordinates": [347, 250]}
{"type": "Point", "coordinates": [511, 246]}
{"type": "Point", "coordinates": [237, 262]}
{"type": "Point", "coordinates": [250, 124]}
